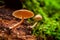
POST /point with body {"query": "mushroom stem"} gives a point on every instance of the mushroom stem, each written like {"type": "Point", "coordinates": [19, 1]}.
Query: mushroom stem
{"type": "Point", "coordinates": [15, 25]}
{"type": "Point", "coordinates": [34, 25]}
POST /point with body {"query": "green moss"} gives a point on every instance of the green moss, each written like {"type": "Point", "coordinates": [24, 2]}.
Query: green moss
{"type": "Point", "coordinates": [51, 16]}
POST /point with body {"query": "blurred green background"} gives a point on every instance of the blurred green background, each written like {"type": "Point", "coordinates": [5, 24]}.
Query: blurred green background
{"type": "Point", "coordinates": [50, 10]}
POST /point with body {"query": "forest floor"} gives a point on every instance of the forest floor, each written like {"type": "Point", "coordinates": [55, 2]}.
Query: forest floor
{"type": "Point", "coordinates": [21, 32]}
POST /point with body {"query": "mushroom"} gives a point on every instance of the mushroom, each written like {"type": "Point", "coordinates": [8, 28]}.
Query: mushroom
{"type": "Point", "coordinates": [21, 14]}
{"type": "Point", "coordinates": [37, 18]}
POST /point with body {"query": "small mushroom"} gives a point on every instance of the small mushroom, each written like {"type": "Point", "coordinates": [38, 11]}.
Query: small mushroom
{"type": "Point", "coordinates": [21, 14]}
{"type": "Point", "coordinates": [37, 18]}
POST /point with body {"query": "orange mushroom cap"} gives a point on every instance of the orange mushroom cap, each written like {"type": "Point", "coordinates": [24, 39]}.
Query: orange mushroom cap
{"type": "Point", "coordinates": [23, 13]}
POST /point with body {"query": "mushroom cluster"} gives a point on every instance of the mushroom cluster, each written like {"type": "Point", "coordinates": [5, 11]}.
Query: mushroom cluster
{"type": "Point", "coordinates": [25, 14]}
